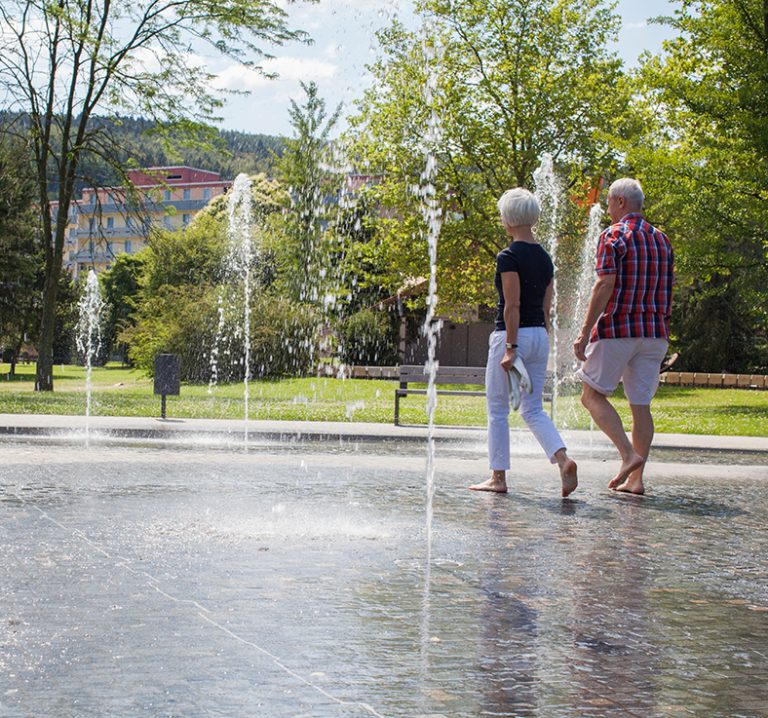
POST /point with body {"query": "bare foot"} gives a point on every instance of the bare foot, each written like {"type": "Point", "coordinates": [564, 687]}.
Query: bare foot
{"type": "Point", "coordinates": [569, 477]}
{"type": "Point", "coordinates": [633, 463]}
{"type": "Point", "coordinates": [631, 487]}
{"type": "Point", "coordinates": [493, 484]}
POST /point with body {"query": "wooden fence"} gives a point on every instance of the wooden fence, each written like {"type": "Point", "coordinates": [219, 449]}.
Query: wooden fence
{"type": "Point", "coordinates": [724, 381]}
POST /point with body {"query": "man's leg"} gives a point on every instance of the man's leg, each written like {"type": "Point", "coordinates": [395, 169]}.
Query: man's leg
{"type": "Point", "coordinates": [642, 436]}
{"type": "Point", "coordinates": [606, 417]}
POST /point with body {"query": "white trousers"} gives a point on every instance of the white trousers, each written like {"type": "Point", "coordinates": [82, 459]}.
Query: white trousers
{"type": "Point", "coordinates": [533, 349]}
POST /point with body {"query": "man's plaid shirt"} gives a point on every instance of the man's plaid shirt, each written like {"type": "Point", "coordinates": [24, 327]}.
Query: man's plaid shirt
{"type": "Point", "coordinates": [641, 257]}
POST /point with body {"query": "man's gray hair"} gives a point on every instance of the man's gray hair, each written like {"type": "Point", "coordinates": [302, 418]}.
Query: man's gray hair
{"type": "Point", "coordinates": [630, 190]}
{"type": "Point", "coordinates": [519, 207]}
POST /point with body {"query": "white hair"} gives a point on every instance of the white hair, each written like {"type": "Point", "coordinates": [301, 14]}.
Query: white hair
{"type": "Point", "coordinates": [629, 189]}
{"type": "Point", "coordinates": [519, 207]}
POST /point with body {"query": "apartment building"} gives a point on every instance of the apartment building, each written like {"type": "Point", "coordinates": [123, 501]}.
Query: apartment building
{"type": "Point", "coordinates": [107, 222]}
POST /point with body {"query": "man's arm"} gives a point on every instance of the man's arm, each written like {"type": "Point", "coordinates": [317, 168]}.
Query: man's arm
{"type": "Point", "coordinates": [601, 294]}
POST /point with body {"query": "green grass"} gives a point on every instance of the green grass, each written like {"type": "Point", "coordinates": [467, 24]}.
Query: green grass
{"type": "Point", "coordinates": [125, 392]}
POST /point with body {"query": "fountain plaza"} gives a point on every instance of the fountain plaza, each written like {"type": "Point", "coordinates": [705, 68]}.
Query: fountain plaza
{"type": "Point", "coordinates": [165, 570]}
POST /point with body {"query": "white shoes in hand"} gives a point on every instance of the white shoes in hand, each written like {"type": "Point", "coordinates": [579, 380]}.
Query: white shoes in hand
{"type": "Point", "coordinates": [519, 382]}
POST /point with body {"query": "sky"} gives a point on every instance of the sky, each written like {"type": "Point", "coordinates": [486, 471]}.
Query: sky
{"type": "Point", "coordinates": [344, 42]}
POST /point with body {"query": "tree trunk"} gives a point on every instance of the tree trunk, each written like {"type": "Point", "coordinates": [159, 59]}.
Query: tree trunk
{"type": "Point", "coordinates": [44, 372]}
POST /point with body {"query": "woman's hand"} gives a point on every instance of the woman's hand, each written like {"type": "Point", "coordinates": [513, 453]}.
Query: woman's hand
{"type": "Point", "coordinates": [509, 357]}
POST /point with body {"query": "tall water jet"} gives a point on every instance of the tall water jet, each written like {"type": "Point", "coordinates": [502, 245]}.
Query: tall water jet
{"type": "Point", "coordinates": [239, 262]}
{"type": "Point", "coordinates": [88, 337]}
{"type": "Point", "coordinates": [587, 266]}
{"type": "Point", "coordinates": [433, 218]}
{"type": "Point", "coordinates": [549, 193]}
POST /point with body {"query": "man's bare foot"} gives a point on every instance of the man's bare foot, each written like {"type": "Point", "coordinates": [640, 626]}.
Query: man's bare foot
{"type": "Point", "coordinates": [569, 477]}
{"type": "Point", "coordinates": [495, 484]}
{"type": "Point", "coordinates": [630, 464]}
{"type": "Point", "coordinates": [631, 487]}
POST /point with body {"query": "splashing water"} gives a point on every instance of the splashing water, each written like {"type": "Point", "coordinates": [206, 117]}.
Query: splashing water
{"type": "Point", "coordinates": [587, 266]}
{"type": "Point", "coordinates": [239, 262]}
{"type": "Point", "coordinates": [88, 338]}
{"type": "Point", "coordinates": [433, 219]}
{"type": "Point", "coordinates": [549, 192]}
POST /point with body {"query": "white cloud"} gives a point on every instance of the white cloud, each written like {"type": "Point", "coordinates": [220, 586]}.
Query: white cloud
{"type": "Point", "coordinates": [239, 77]}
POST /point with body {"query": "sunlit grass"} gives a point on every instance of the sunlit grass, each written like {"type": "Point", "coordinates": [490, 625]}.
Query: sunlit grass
{"type": "Point", "coordinates": [118, 391]}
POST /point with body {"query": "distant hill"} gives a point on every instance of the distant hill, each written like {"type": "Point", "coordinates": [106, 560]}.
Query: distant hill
{"type": "Point", "coordinates": [232, 151]}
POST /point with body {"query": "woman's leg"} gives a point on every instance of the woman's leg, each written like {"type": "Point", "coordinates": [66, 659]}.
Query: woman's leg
{"type": "Point", "coordinates": [534, 351]}
{"type": "Point", "coordinates": [497, 400]}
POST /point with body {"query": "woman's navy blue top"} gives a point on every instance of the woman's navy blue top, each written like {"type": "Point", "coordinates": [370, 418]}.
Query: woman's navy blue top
{"type": "Point", "coordinates": [535, 269]}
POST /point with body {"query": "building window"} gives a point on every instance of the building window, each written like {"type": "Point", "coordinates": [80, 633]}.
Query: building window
{"type": "Point", "coordinates": [206, 193]}
{"type": "Point", "coordinates": [167, 222]}
{"type": "Point", "coordinates": [187, 194]}
{"type": "Point", "coordinates": [91, 224]}
{"type": "Point", "coordinates": [185, 219]}
{"type": "Point", "coordinates": [167, 195]}
{"type": "Point", "coordinates": [128, 246]}
{"type": "Point", "coordinates": [109, 248]}
{"type": "Point", "coordinates": [110, 222]}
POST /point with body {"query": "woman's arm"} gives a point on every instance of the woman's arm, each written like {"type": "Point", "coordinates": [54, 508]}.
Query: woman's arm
{"type": "Point", "coordinates": [548, 304]}
{"type": "Point", "coordinates": [510, 286]}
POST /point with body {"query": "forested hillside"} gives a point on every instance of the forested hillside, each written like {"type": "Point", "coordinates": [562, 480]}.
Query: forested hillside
{"type": "Point", "coordinates": [142, 144]}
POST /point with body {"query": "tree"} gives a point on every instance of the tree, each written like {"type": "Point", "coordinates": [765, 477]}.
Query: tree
{"type": "Point", "coordinates": [120, 288]}
{"type": "Point", "coordinates": [20, 250]}
{"type": "Point", "coordinates": [62, 62]}
{"type": "Point", "coordinates": [703, 158]}
{"type": "Point", "coordinates": [513, 79]}
{"type": "Point", "coordinates": [303, 169]}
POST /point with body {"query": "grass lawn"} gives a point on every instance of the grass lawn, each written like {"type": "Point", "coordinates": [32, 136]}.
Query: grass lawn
{"type": "Point", "coordinates": [125, 392]}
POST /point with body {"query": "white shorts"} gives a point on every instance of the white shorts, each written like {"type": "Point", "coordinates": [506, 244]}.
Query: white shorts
{"type": "Point", "coordinates": [635, 362]}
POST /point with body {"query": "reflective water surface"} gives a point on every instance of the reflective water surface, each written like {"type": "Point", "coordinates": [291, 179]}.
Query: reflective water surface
{"type": "Point", "coordinates": [141, 581]}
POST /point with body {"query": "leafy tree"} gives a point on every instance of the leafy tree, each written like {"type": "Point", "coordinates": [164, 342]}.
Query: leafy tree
{"type": "Point", "coordinates": [512, 79]}
{"type": "Point", "coordinates": [20, 249]}
{"type": "Point", "coordinates": [703, 159]}
{"type": "Point", "coordinates": [62, 63]}
{"type": "Point", "coordinates": [120, 288]}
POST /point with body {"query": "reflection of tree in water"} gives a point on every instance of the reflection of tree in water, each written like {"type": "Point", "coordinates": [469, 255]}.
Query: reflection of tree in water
{"type": "Point", "coordinates": [613, 655]}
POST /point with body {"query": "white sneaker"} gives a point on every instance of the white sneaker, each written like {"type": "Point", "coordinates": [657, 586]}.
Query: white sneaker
{"type": "Point", "coordinates": [519, 382]}
{"type": "Point", "coordinates": [525, 380]}
{"type": "Point", "coordinates": [514, 389]}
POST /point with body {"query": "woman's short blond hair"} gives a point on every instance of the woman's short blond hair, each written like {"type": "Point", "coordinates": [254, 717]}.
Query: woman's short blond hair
{"type": "Point", "coordinates": [519, 207]}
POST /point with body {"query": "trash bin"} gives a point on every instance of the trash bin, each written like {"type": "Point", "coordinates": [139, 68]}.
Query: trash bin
{"type": "Point", "coordinates": [167, 377]}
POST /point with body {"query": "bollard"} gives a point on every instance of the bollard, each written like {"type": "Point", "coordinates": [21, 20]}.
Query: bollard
{"type": "Point", "coordinates": [167, 377]}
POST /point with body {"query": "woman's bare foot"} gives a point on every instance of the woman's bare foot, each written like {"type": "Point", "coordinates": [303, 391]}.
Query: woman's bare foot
{"type": "Point", "coordinates": [497, 483]}
{"type": "Point", "coordinates": [569, 477]}
{"type": "Point", "coordinates": [632, 463]}
{"type": "Point", "coordinates": [568, 472]}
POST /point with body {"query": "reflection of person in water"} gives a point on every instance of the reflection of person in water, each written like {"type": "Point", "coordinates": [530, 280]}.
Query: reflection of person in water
{"type": "Point", "coordinates": [508, 657]}
{"type": "Point", "coordinates": [612, 659]}
{"type": "Point", "coordinates": [524, 273]}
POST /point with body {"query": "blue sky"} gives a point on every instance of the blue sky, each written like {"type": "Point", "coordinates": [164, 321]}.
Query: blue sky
{"type": "Point", "coordinates": [343, 33]}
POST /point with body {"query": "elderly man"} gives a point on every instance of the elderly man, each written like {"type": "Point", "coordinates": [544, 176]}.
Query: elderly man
{"type": "Point", "coordinates": [625, 333]}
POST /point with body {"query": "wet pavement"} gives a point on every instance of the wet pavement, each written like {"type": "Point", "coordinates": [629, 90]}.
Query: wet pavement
{"type": "Point", "coordinates": [292, 581]}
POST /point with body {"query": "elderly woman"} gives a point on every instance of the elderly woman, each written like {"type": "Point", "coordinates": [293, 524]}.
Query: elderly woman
{"type": "Point", "coordinates": [524, 273]}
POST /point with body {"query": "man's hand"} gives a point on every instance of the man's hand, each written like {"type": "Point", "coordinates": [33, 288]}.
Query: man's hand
{"type": "Point", "coordinates": [580, 345]}
{"type": "Point", "coordinates": [509, 357]}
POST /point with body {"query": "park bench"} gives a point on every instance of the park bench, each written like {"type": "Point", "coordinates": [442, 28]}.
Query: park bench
{"type": "Point", "coordinates": [470, 375]}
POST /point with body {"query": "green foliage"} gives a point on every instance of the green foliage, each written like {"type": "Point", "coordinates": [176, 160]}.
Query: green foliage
{"type": "Point", "coordinates": [513, 80]}
{"type": "Point", "coordinates": [120, 288]}
{"type": "Point", "coordinates": [703, 159]}
{"type": "Point", "coordinates": [304, 254]}
{"type": "Point", "coordinates": [367, 338]}
{"type": "Point", "coordinates": [83, 61]}
{"type": "Point", "coordinates": [20, 249]}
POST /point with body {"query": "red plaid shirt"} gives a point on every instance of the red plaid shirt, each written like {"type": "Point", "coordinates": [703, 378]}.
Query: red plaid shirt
{"type": "Point", "coordinates": [641, 258]}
